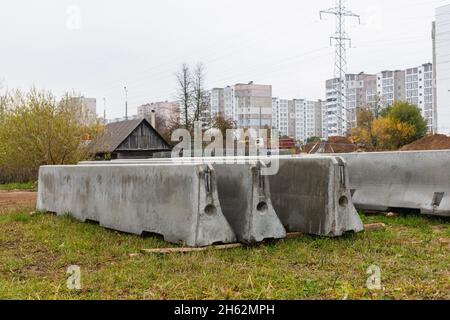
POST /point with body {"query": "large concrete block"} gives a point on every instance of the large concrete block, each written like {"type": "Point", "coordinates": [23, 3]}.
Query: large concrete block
{"type": "Point", "coordinates": [244, 195]}
{"type": "Point", "coordinates": [179, 202]}
{"type": "Point", "coordinates": [311, 195]}
{"type": "Point", "coordinates": [410, 180]}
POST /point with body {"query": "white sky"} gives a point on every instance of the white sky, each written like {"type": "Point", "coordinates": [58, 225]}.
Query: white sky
{"type": "Point", "coordinates": [142, 43]}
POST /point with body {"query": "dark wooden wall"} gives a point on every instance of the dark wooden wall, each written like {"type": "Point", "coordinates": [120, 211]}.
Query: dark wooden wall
{"type": "Point", "coordinates": [143, 138]}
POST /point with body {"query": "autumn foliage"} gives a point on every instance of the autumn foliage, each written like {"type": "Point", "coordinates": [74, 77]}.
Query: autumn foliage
{"type": "Point", "coordinates": [398, 126]}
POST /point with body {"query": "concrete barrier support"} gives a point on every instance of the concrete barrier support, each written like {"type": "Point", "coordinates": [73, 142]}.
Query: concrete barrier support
{"type": "Point", "coordinates": [244, 195]}
{"type": "Point", "coordinates": [401, 180]}
{"type": "Point", "coordinates": [311, 195]}
{"type": "Point", "coordinates": [179, 202]}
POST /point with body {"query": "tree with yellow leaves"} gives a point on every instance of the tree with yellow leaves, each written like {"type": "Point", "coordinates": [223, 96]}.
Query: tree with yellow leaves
{"type": "Point", "coordinates": [399, 126]}
{"type": "Point", "coordinates": [37, 130]}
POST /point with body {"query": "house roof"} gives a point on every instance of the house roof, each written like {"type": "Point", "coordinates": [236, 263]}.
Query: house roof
{"type": "Point", "coordinates": [115, 133]}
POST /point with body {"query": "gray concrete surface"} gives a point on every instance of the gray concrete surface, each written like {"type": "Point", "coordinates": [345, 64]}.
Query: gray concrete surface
{"type": "Point", "coordinates": [244, 196]}
{"type": "Point", "coordinates": [310, 194]}
{"type": "Point", "coordinates": [410, 180]}
{"type": "Point", "coordinates": [179, 202]}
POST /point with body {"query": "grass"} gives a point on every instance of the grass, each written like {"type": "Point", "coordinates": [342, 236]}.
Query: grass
{"type": "Point", "coordinates": [37, 249]}
{"type": "Point", "coordinates": [29, 186]}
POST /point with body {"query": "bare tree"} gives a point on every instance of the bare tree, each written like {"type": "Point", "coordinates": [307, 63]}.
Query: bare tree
{"type": "Point", "coordinates": [185, 89]}
{"type": "Point", "coordinates": [199, 93]}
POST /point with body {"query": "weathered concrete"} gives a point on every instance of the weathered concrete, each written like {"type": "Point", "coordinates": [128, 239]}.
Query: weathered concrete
{"type": "Point", "coordinates": [179, 202]}
{"type": "Point", "coordinates": [244, 195]}
{"type": "Point", "coordinates": [310, 194]}
{"type": "Point", "coordinates": [410, 180]}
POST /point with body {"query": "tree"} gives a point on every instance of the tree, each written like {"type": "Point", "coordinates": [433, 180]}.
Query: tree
{"type": "Point", "coordinates": [223, 124]}
{"type": "Point", "coordinates": [397, 126]}
{"type": "Point", "coordinates": [408, 113]}
{"type": "Point", "coordinates": [199, 92]}
{"type": "Point", "coordinates": [36, 130]}
{"type": "Point", "coordinates": [185, 89]}
{"type": "Point", "coordinates": [313, 139]}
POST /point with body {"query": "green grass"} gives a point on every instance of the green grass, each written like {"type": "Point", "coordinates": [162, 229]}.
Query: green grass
{"type": "Point", "coordinates": [36, 251]}
{"type": "Point", "coordinates": [18, 186]}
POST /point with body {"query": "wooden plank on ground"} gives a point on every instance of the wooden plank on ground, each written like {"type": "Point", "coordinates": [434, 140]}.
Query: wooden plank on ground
{"type": "Point", "coordinates": [189, 250]}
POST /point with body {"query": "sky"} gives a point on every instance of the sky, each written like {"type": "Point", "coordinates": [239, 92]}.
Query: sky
{"type": "Point", "coordinates": [96, 47]}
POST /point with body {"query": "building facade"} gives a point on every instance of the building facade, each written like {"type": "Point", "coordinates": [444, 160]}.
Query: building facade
{"type": "Point", "coordinates": [441, 42]}
{"type": "Point", "coordinates": [300, 119]}
{"type": "Point", "coordinates": [248, 105]}
{"type": "Point", "coordinates": [419, 91]}
{"type": "Point", "coordinates": [376, 91]}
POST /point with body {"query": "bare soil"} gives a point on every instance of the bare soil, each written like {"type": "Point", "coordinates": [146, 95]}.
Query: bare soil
{"type": "Point", "coordinates": [435, 142]}
{"type": "Point", "coordinates": [17, 200]}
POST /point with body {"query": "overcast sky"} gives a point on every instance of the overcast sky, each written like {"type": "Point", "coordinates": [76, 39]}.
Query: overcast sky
{"type": "Point", "coordinates": [142, 43]}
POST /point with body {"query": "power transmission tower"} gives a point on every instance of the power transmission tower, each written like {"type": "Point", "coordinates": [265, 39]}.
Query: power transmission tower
{"type": "Point", "coordinates": [340, 38]}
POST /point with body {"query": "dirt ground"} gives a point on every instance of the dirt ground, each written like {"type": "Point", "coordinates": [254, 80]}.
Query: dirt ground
{"type": "Point", "coordinates": [17, 200]}
{"type": "Point", "coordinates": [435, 142]}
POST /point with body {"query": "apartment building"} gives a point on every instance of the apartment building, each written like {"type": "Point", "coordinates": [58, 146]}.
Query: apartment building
{"type": "Point", "coordinates": [441, 44]}
{"type": "Point", "coordinates": [376, 91]}
{"type": "Point", "coordinates": [249, 105]}
{"type": "Point", "coordinates": [361, 92]}
{"type": "Point", "coordinates": [298, 118]}
{"type": "Point", "coordinates": [419, 90]}
{"type": "Point", "coordinates": [336, 124]}
{"type": "Point", "coordinates": [391, 87]}
{"type": "Point", "coordinates": [87, 109]}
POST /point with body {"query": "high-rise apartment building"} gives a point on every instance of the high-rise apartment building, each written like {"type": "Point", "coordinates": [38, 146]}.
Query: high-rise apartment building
{"type": "Point", "coordinates": [419, 90]}
{"type": "Point", "coordinates": [441, 44]}
{"type": "Point", "coordinates": [391, 87]}
{"type": "Point", "coordinates": [414, 85]}
{"type": "Point", "coordinates": [249, 105]}
{"type": "Point", "coordinates": [337, 123]}
{"type": "Point", "coordinates": [299, 118]}
{"type": "Point", "coordinates": [361, 92]}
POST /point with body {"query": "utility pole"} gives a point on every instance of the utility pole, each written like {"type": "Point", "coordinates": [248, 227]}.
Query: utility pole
{"type": "Point", "coordinates": [340, 38]}
{"type": "Point", "coordinates": [126, 102]}
{"type": "Point", "coordinates": [104, 110]}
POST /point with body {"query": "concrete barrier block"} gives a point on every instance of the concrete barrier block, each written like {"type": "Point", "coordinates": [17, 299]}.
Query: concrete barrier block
{"type": "Point", "coordinates": [244, 195]}
{"type": "Point", "coordinates": [311, 195]}
{"type": "Point", "coordinates": [179, 202]}
{"type": "Point", "coordinates": [408, 180]}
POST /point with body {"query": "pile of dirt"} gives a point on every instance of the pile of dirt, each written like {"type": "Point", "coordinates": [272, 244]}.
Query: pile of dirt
{"type": "Point", "coordinates": [333, 145]}
{"type": "Point", "coordinates": [435, 142]}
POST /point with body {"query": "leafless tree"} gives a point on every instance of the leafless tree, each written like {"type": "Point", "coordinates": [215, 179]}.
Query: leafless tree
{"type": "Point", "coordinates": [199, 92]}
{"type": "Point", "coordinates": [185, 92]}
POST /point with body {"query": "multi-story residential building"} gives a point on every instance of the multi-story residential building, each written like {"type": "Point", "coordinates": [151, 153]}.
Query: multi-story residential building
{"type": "Point", "coordinates": [361, 92]}
{"type": "Point", "coordinates": [299, 118]}
{"type": "Point", "coordinates": [336, 124]}
{"type": "Point", "coordinates": [249, 105]}
{"type": "Point", "coordinates": [419, 90]}
{"type": "Point", "coordinates": [87, 109]}
{"type": "Point", "coordinates": [391, 87]}
{"type": "Point", "coordinates": [253, 105]}
{"type": "Point", "coordinates": [441, 44]}
{"type": "Point", "coordinates": [281, 111]}
{"type": "Point", "coordinates": [216, 102]}
{"type": "Point", "coordinates": [163, 113]}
